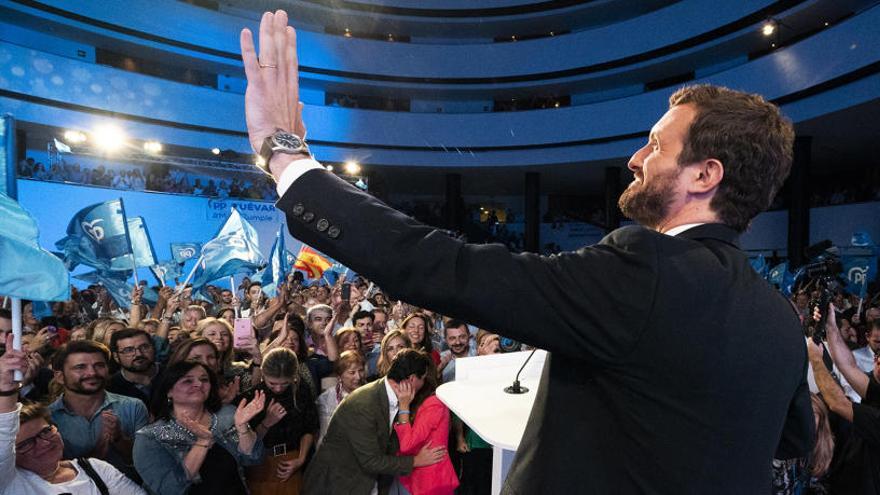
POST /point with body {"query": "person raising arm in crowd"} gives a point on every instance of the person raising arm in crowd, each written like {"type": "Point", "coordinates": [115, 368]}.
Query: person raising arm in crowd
{"type": "Point", "coordinates": [31, 447]}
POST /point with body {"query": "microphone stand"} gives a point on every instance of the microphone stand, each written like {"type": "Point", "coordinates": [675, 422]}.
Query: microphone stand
{"type": "Point", "coordinates": [516, 388]}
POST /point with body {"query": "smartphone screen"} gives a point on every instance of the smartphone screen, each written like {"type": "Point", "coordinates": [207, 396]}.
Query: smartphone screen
{"type": "Point", "coordinates": [346, 292]}
{"type": "Point", "coordinates": [243, 332]}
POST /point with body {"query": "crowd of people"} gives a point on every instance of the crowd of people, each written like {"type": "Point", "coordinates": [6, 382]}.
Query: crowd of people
{"type": "Point", "coordinates": [170, 399]}
{"type": "Point", "coordinates": [156, 178]}
{"type": "Point", "coordinates": [174, 398]}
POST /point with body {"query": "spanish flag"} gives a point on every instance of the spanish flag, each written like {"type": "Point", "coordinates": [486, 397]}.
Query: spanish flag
{"type": "Point", "coordinates": [311, 262]}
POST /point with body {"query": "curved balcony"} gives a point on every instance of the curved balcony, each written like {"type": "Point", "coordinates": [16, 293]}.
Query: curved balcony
{"type": "Point", "coordinates": [831, 70]}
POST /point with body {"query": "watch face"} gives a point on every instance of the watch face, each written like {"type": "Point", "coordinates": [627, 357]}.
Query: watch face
{"type": "Point", "coordinates": [287, 140]}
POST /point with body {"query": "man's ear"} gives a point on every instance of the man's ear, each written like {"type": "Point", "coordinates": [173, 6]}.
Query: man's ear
{"type": "Point", "coordinates": [706, 176]}
{"type": "Point", "coordinates": [59, 376]}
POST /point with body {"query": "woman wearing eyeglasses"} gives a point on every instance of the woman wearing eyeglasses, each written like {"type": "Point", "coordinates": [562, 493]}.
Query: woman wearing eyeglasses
{"type": "Point", "coordinates": [31, 447]}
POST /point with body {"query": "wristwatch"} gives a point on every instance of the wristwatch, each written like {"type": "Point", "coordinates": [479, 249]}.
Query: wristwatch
{"type": "Point", "coordinates": [280, 142]}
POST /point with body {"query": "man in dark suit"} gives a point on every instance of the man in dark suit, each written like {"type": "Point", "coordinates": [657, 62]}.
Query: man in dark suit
{"type": "Point", "coordinates": [673, 368]}
{"type": "Point", "coordinates": [357, 454]}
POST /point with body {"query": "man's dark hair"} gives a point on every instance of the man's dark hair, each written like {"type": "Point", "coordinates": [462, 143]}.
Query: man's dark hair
{"type": "Point", "coordinates": [78, 347]}
{"type": "Point", "coordinates": [5, 313]}
{"type": "Point", "coordinates": [409, 362]}
{"type": "Point", "coordinates": [361, 315]}
{"type": "Point", "coordinates": [127, 333]}
{"type": "Point", "coordinates": [161, 407]}
{"type": "Point", "coordinates": [875, 325]}
{"type": "Point", "coordinates": [453, 323]}
{"type": "Point", "coordinates": [751, 139]}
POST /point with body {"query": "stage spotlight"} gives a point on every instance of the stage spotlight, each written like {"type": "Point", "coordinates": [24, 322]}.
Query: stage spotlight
{"type": "Point", "coordinates": [152, 147]}
{"type": "Point", "coordinates": [215, 151]}
{"type": "Point", "coordinates": [329, 168]}
{"type": "Point", "coordinates": [74, 137]}
{"type": "Point", "coordinates": [768, 28]}
{"type": "Point", "coordinates": [108, 138]}
{"type": "Point", "coordinates": [352, 167]}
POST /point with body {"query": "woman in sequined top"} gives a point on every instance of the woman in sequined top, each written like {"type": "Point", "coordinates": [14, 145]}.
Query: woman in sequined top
{"type": "Point", "coordinates": [196, 446]}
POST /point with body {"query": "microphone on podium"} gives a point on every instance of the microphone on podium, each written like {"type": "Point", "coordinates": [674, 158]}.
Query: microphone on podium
{"type": "Point", "coordinates": [516, 388]}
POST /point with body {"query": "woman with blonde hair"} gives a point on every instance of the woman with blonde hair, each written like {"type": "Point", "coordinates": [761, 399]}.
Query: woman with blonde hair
{"type": "Point", "coordinates": [287, 426]}
{"type": "Point", "coordinates": [392, 343]}
{"type": "Point", "coordinates": [105, 328]}
{"type": "Point", "coordinates": [219, 332]}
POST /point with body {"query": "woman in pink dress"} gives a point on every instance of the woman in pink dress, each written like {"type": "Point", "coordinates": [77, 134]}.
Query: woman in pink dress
{"type": "Point", "coordinates": [423, 419]}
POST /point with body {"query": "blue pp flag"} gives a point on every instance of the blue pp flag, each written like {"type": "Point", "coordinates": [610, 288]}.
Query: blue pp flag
{"type": "Point", "coordinates": [116, 283]}
{"type": "Point", "coordinates": [182, 251]}
{"type": "Point", "coordinates": [97, 236]}
{"type": "Point", "coordinates": [234, 249]}
{"type": "Point", "coordinates": [759, 264]}
{"type": "Point", "coordinates": [41, 309]}
{"type": "Point", "coordinates": [777, 274]}
{"type": "Point", "coordinates": [167, 271]}
{"type": "Point", "coordinates": [29, 272]}
{"type": "Point", "coordinates": [141, 245]}
{"type": "Point", "coordinates": [290, 257]}
{"type": "Point", "coordinates": [861, 238]}
{"type": "Point", "coordinates": [858, 271]}
{"type": "Point", "coordinates": [273, 274]}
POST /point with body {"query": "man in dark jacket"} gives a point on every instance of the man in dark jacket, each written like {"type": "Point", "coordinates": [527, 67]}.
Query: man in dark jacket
{"type": "Point", "coordinates": [673, 368]}
{"type": "Point", "coordinates": [357, 454]}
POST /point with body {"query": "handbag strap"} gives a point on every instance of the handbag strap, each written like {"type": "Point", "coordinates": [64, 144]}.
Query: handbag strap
{"type": "Point", "coordinates": [90, 470]}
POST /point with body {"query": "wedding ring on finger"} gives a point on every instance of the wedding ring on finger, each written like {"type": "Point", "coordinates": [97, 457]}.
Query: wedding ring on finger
{"type": "Point", "coordinates": [268, 66]}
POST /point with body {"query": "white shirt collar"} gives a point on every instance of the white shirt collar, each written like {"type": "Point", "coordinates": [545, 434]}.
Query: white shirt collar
{"type": "Point", "coordinates": [392, 399]}
{"type": "Point", "coordinates": [681, 228]}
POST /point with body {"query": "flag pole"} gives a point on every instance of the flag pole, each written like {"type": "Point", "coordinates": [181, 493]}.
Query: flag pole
{"type": "Point", "coordinates": [232, 289]}
{"type": "Point", "coordinates": [189, 277]}
{"type": "Point", "coordinates": [16, 332]}
{"type": "Point", "coordinates": [134, 270]}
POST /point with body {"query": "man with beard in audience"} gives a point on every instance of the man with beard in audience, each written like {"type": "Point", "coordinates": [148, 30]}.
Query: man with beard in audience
{"type": "Point", "coordinates": [458, 340]}
{"type": "Point", "coordinates": [133, 351]}
{"type": "Point", "coordinates": [92, 421]}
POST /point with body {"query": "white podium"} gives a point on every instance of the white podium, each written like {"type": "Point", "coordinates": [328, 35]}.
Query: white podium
{"type": "Point", "coordinates": [477, 397]}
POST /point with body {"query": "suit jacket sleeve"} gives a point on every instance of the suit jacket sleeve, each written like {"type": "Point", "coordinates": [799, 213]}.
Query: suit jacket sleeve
{"type": "Point", "coordinates": [799, 431]}
{"type": "Point", "coordinates": [592, 304]}
{"type": "Point", "coordinates": [362, 436]}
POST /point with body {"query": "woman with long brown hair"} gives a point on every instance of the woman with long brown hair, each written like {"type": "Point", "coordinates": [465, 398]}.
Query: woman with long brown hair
{"type": "Point", "coordinates": [417, 327]}
{"type": "Point", "coordinates": [393, 342]}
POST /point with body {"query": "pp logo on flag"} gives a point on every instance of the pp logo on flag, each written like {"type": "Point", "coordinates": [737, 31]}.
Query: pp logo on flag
{"type": "Point", "coordinates": [186, 253]}
{"type": "Point", "coordinates": [857, 274]}
{"type": "Point", "coordinates": [93, 230]}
